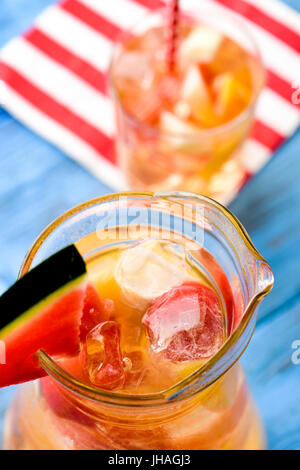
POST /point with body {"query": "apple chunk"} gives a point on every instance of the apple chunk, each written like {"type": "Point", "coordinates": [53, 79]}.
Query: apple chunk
{"type": "Point", "coordinates": [200, 45]}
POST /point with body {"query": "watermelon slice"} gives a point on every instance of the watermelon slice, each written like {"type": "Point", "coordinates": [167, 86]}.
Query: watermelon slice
{"type": "Point", "coordinates": [95, 311]}
{"type": "Point", "coordinates": [61, 403]}
{"type": "Point", "coordinates": [43, 310]}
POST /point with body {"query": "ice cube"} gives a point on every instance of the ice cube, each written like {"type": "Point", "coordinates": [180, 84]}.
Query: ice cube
{"type": "Point", "coordinates": [145, 375]}
{"type": "Point", "coordinates": [102, 358]}
{"type": "Point", "coordinates": [169, 88]}
{"type": "Point", "coordinates": [185, 323]}
{"type": "Point", "coordinates": [138, 369]}
{"type": "Point", "coordinates": [200, 45]}
{"type": "Point", "coordinates": [134, 67]}
{"type": "Point", "coordinates": [144, 273]}
{"type": "Point", "coordinates": [152, 40]}
{"type": "Point", "coordinates": [145, 106]}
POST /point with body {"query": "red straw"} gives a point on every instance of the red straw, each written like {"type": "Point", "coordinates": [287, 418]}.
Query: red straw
{"type": "Point", "coordinates": [172, 32]}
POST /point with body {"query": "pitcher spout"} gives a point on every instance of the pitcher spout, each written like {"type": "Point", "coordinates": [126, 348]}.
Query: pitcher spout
{"type": "Point", "coordinates": [264, 279]}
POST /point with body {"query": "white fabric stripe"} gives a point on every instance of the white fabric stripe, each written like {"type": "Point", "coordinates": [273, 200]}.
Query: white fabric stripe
{"type": "Point", "coordinates": [279, 11]}
{"type": "Point", "coordinates": [62, 137]}
{"type": "Point", "coordinates": [254, 155]}
{"type": "Point", "coordinates": [277, 113]}
{"type": "Point", "coordinates": [96, 49]}
{"type": "Point", "coordinates": [74, 35]}
{"type": "Point", "coordinates": [85, 42]}
{"type": "Point", "coordinates": [120, 12]}
{"type": "Point", "coordinates": [277, 56]}
{"type": "Point", "coordinates": [61, 84]}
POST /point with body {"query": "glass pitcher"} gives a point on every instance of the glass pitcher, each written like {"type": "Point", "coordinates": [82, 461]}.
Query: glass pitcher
{"type": "Point", "coordinates": [210, 409]}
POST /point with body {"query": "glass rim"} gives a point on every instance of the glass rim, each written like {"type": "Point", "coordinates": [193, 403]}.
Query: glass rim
{"type": "Point", "coordinates": [208, 132]}
{"type": "Point", "coordinates": [154, 399]}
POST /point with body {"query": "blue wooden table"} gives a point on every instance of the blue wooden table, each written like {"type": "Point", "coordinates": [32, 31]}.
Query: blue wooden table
{"type": "Point", "coordinates": [38, 183]}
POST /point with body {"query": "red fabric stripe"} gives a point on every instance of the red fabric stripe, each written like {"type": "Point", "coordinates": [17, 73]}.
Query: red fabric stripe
{"type": "Point", "coordinates": [274, 82]}
{"type": "Point", "coordinates": [97, 79]}
{"type": "Point", "coordinates": [90, 17]}
{"type": "Point", "coordinates": [279, 30]}
{"type": "Point", "coordinates": [63, 56]}
{"type": "Point", "coordinates": [266, 136]}
{"type": "Point", "coordinates": [58, 112]}
{"type": "Point", "coordinates": [151, 4]}
{"type": "Point", "coordinates": [247, 177]}
{"type": "Point", "coordinates": [280, 86]}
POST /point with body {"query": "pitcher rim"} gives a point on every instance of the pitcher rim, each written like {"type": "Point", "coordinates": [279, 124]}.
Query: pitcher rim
{"type": "Point", "coordinates": [207, 132]}
{"type": "Point", "coordinates": [87, 391]}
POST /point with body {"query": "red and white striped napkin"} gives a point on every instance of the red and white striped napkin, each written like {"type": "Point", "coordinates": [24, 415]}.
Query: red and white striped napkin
{"type": "Point", "coordinates": [53, 76]}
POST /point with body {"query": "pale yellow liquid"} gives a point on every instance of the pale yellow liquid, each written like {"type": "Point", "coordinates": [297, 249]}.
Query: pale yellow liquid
{"type": "Point", "coordinates": [223, 416]}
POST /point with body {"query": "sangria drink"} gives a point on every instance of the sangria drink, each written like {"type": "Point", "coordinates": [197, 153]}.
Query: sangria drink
{"type": "Point", "coordinates": [183, 127]}
{"type": "Point", "coordinates": [169, 306]}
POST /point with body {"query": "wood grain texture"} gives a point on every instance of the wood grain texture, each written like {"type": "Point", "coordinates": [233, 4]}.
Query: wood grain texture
{"type": "Point", "coordinates": [38, 183]}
